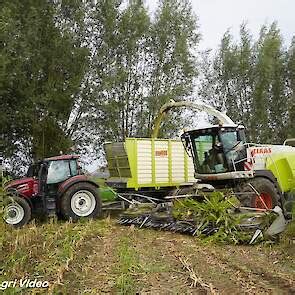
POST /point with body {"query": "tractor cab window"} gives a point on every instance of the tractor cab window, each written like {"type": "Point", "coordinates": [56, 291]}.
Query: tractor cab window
{"type": "Point", "coordinates": [74, 167]}
{"type": "Point", "coordinates": [209, 154]}
{"type": "Point", "coordinates": [58, 171]}
{"type": "Point", "coordinates": [33, 170]}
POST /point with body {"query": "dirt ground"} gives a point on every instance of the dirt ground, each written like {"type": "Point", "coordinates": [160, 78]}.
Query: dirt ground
{"type": "Point", "coordinates": [129, 260]}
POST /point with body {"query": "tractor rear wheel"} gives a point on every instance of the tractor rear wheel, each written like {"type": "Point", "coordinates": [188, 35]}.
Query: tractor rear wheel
{"type": "Point", "coordinates": [81, 200]}
{"type": "Point", "coordinates": [265, 194]}
{"type": "Point", "coordinates": [17, 212]}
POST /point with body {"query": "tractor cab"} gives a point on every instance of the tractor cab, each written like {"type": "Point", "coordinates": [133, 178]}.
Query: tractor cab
{"type": "Point", "coordinates": [56, 169]}
{"type": "Point", "coordinates": [216, 149]}
{"type": "Point", "coordinates": [61, 168]}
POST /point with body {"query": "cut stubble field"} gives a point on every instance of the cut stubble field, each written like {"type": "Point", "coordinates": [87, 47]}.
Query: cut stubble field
{"type": "Point", "coordinates": [101, 257]}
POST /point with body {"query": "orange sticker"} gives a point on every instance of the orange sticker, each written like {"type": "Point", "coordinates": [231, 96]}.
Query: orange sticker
{"type": "Point", "coordinates": [161, 153]}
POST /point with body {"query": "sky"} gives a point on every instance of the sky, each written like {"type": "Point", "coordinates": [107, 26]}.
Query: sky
{"type": "Point", "coordinates": [216, 16]}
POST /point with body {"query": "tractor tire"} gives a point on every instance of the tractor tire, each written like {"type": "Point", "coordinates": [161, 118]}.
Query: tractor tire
{"type": "Point", "coordinates": [81, 200]}
{"type": "Point", "coordinates": [269, 194]}
{"type": "Point", "coordinates": [17, 211]}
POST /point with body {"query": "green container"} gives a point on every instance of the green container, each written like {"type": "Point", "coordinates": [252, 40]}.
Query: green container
{"type": "Point", "coordinates": [107, 194]}
{"type": "Point", "coordinates": [149, 163]}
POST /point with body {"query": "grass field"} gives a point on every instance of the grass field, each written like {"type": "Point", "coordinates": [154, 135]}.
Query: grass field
{"type": "Point", "coordinates": [93, 257]}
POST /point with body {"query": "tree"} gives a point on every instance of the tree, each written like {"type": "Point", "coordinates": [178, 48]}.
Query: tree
{"type": "Point", "coordinates": [136, 65]}
{"type": "Point", "coordinates": [84, 72]}
{"type": "Point", "coordinates": [269, 104]}
{"type": "Point", "coordinates": [248, 80]}
{"type": "Point", "coordinates": [227, 81]}
{"type": "Point", "coordinates": [42, 71]}
{"type": "Point", "coordinates": [173, 42]}
{"type": "Point", "coordinates": [291, 90]}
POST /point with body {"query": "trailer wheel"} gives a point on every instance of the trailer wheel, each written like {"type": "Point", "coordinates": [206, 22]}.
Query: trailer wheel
{"type": "Point", "coordinates": [81, 200]}
{"type": "Point", "coordinates": [267, 198]}
{"type": "Point", "coordinates": [17, 212]}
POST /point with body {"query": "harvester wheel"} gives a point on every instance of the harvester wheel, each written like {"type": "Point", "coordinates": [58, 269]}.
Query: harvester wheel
{"type": "Point", "coordinates": [17, 212]}
{"type": "Point", "coordinates": [267, 198]}
{"type": "Point", "coordinates": [81, 200]}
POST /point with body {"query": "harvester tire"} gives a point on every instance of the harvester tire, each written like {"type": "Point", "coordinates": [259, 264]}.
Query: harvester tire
{"type": "Point", "coordinates": [17, 211]}
{"type": "Point", "coordinates": [81, 200]}
{"type": "Point", "coordinates": [268, 194]}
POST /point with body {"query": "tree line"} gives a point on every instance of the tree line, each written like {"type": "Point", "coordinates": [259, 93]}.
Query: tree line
{"type": "Point", "coordinates": [77, 73]}
{"type": "Point", "coordinates": [254, 81]}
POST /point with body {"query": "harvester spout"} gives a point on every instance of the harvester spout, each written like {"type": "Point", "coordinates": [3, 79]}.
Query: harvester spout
{"type": "Point", "coordinates": [222, 117]}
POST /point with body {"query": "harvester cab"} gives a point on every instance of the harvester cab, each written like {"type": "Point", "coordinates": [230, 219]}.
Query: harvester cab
{"type": "Point", "coordinates": [216, 150]}
{"type": "Point", "coordinates": [53, 186]}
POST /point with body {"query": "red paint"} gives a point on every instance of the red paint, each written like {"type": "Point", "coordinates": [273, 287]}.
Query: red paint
{"type": "Point", "coordinates": [264, 201]}
{"type": "Point", "coordinates": [71, 180]}
{"type": "Point", "coordinates": [262, 150]}
{"type": "Point", "coordinates": [248, 166]}
{"type": "Point", "coordinates": [26, 186]}
{"type": "Point", "coordinates": [62, 157]}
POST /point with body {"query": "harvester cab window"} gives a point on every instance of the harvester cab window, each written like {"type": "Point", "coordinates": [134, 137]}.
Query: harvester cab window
{"type": "Point", "coordinates": [58, 171]}
{"type": "Point", "coordinates": [234, 149]}
{"type": "Point", "coordinates": [229, 140]}
{"type": "Point", "coordinates": [209, 153]}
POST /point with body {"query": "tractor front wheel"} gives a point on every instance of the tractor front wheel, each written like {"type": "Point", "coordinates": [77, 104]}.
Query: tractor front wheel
{"type": "Point", "coordinates": [259, 193]}
{"type": "Point", "coordinates": [17, 212]}
{"type": "Point", "coordinates": [81, 200]}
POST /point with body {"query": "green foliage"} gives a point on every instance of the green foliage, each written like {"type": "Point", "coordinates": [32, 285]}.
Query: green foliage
{"type": "Point", "coordinates": [173, 41]}
{"type": "Point", "coordinates": [45, 249]}
{"type": "Point", "coordinates": [78, 73]}
{"type": "Point", "coordinates": [42, 70]}
{"type": "Point", "coordinates": [3, 195]}
{"type": "Point", "coordinates": [137, 64]}
{"type": "Point", "coordinates": [288, 238]}
{"type": "Point", "coordinates": [254, 81]}
{"type": "Point", "coordinates": [127, 266]}
{"type": "Point", "coordinates": [291, 80]}
{"type": "Point", "coordinates": [217, 211]}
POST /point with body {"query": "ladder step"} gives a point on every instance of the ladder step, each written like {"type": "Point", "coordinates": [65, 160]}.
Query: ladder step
{"type": "Point", "coordinates": [51, 206]}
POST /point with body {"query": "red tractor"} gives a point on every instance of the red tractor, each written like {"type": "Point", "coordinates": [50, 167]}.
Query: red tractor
{"type": "Point", "coordinates": [53, 186]}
